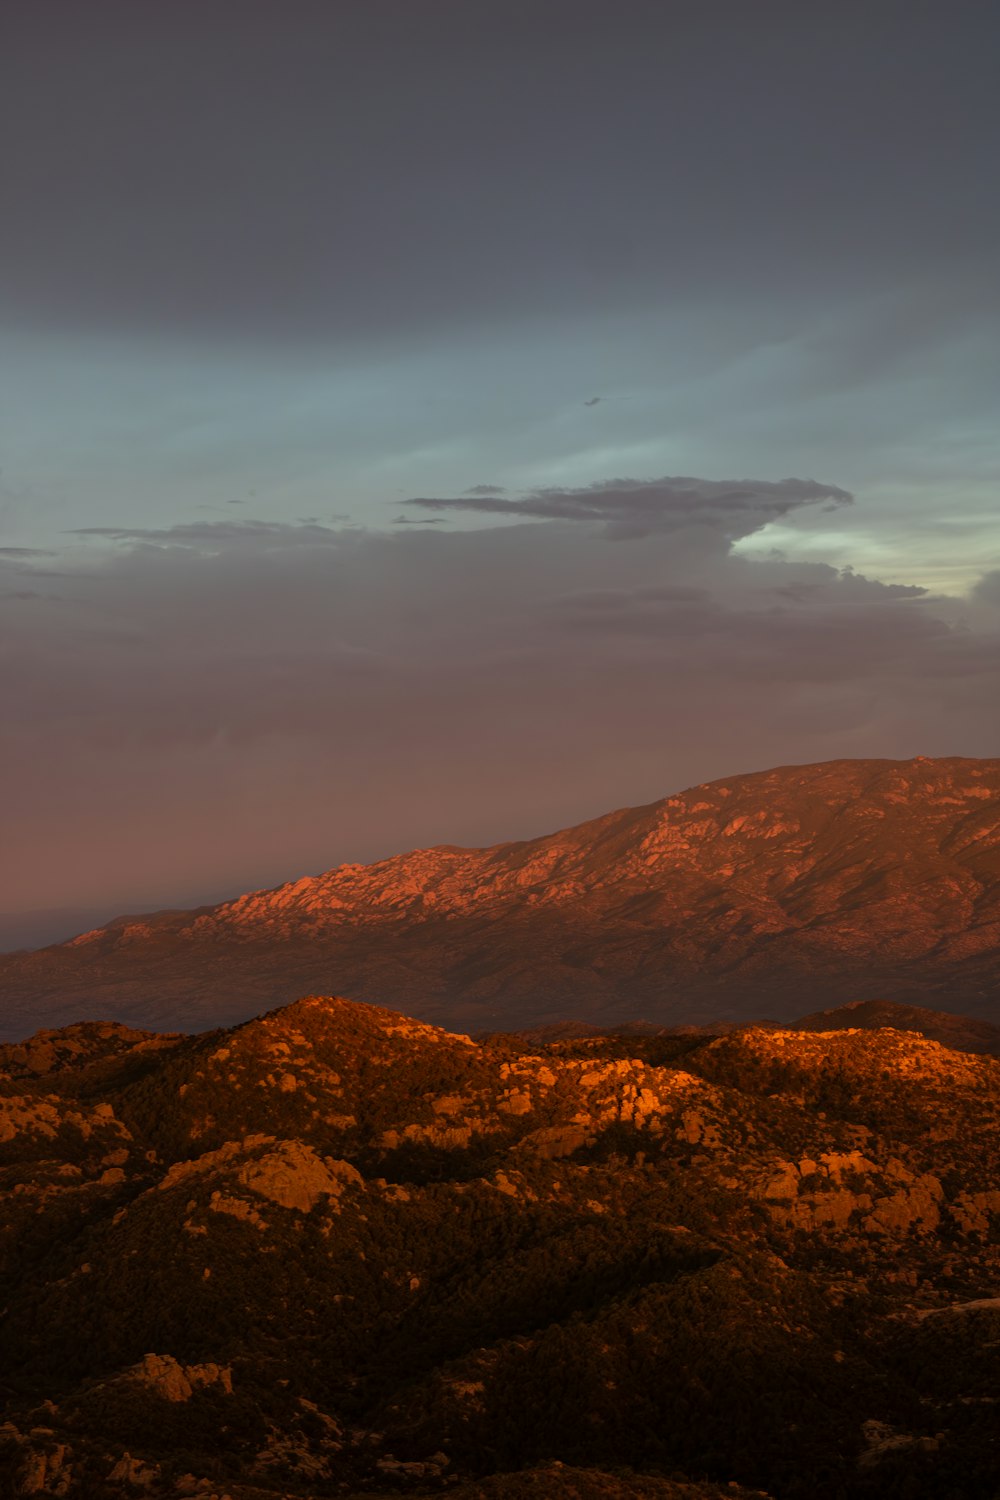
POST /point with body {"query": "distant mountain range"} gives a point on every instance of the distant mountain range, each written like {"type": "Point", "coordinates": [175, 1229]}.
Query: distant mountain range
{"type": "Point", "coordinates": [960, 1033]}
{"type": "Point", "coordinates": [770, 894]}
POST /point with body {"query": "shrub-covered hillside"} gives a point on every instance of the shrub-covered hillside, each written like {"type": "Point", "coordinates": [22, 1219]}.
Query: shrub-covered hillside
{"type": "Point", "coordinates": [334, 1251]}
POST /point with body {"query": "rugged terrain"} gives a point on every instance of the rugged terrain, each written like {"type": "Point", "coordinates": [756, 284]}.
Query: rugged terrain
{"type": "Point", "coordinates": [764, 895]}
{"type": "Point", "coordinates": [334, 1251]}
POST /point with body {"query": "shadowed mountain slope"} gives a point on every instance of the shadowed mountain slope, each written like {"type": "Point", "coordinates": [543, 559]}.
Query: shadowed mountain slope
{"type": "Point", "coordinates": [961, 1033]}
{"type": "Point", "coordinates": [958, 1032]}
{"type": "Point", "coordinates": [768, 894]}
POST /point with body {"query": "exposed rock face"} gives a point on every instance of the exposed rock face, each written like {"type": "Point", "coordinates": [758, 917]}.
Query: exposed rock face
{"type": "Point", "coordinates": [163, 1376]}
{"type": "Point", "coordinates": [78, 1046]}
{"type": "Point", "coordinates": [293, 1176]}
{"type": "Point", "coordinates": [287, 1173]}
{"type": "Point", "coordinates": [766, 894]}
{"type": "Point", "coordinates": [32, 1122]}
{"type": "Point", "coordinates": [838, 1189]}
{"type": "Point", "coordinates": [133, 1474]}
{"type": "Point", "coordinates": [46, 1472]}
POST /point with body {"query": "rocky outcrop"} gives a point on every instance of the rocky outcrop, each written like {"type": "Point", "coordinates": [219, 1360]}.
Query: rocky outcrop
{"type": "Point", "coordinates": [835, 1190]}
{"type": "Point", "coordinates": [287, 1173]}
{"type": "Point", "coordinates": [165, 1377]}
{"type": "Point", "coordinates": [31, 1124]}
{"type": "Point", "coordinates": [976, 1213]}
{"type": "Point", "coordinates": [133, 1474]}
{"type": "Point", "coordinates": [293, 1176]}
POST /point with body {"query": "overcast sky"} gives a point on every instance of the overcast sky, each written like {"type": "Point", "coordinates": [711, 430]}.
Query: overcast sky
{"type": "Point", "coordinates": [438, 420]}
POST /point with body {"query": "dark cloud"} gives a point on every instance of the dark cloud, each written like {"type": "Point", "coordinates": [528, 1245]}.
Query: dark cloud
{"type": "Point", "coordinates": [485, 489]}
{"type": "Point", "coordinates": [847, 586]}
{"type": "Point", "coordinates": [250, 702]}
{"type": "Point", "coordinates": [630, 508]}
{"type": "Point", "coordinates": [987, 590]}
{"type": "Point", "coordinates": [356, 172]}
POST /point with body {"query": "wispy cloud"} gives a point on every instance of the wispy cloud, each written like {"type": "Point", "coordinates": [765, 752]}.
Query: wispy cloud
{"type": "Point", "coordinates": [218, 535]}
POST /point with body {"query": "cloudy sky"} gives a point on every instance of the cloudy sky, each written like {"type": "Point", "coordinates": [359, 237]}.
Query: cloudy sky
{"type": "Point", "coordinates": [440, 421]}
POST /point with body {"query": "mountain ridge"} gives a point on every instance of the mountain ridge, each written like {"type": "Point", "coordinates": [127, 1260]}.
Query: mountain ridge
{"type": "Point", "coordinates": [817, 884]}
{"type": "Point", "coordinates": [337, 1250]}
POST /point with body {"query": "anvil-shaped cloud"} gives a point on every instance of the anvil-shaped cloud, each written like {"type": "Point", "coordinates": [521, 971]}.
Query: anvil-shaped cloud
{"type": "Point", "coordinates": [638, 507]}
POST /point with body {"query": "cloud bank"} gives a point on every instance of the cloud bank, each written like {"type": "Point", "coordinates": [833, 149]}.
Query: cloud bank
{"type": "Point", "coordinates": [215, 706]}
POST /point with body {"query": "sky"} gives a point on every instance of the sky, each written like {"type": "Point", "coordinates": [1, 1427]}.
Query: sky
{"type": "Point", "coordinates": [445, 421]}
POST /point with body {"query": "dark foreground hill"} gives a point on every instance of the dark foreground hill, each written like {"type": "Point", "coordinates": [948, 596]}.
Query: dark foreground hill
{"type": "Point", "coordinates": [337, 1252]}
{"type": "Point", "coordinates": [765, 895]}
